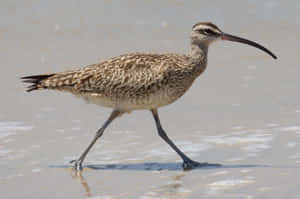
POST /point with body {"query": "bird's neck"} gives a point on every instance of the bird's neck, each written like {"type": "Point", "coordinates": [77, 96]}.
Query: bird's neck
{"type": "Point", "coordinates": [198, 57]}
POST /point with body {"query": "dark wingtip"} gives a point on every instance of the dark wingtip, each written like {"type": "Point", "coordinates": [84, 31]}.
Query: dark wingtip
{"type": "Point", "coordinates": [31, 88]}
{"type": "Point", "coordinates": [35, 81]}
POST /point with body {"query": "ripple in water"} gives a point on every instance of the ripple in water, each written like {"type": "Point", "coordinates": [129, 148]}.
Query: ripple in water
{"type": "Point", "coordinates": [8, 128]}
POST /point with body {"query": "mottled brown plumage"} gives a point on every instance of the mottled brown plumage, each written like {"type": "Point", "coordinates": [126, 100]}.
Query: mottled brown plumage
{"type": "Point", "coordinates": [128, 82]}
{"type": "Point", "coordinates": [139, 81]}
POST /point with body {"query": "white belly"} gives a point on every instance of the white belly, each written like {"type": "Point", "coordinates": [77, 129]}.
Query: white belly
{"type": "Point", "coordinates": [129, 104]}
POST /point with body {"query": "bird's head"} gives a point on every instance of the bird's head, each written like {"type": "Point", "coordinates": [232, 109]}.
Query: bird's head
{"type": "Point", "coordinates": [204, 33]}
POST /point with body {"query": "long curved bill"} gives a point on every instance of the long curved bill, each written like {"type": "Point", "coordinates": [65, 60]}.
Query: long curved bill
{"type": "Point", "coordinates": [229, 37]}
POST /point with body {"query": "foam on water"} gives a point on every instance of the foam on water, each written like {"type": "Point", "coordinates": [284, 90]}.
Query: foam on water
{"type": "Point", "coordinates": [4, 152]}
{"type": "Point", "coordinates": [36, 170]}
{"type": "Point", "coordinates": [236, 140]}
{"type": "Point", "coordinates": [294, 156]}
{"type": "Point", "coordinates": [172, 189]}
{"type": "Point", "coordinates": [291, 144]}
{"type": "Point", "coordinates": [220, 173]}
{"type": "Point", "coordinates": [224, 185]}
{"type": "Point", "coordinates": [8, 128]}
{"type": "Point", "coordinates": [291, 129]}
{"type": "Point", "coordinates": [187, 146]}
{"type": "Point", "coordinates": [101, 197]}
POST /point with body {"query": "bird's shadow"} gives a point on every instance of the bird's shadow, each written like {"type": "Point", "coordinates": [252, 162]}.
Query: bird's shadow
{"type": "Point", "coordinates": [149, 166]}
{"type": "Point", "coordinates": [154, 166]}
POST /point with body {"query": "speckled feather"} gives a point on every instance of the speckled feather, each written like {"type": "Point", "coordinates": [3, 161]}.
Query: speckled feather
{"type": "Point", "coordinates": [132, 81]}
{"type": "Point", "coordinates": [128, 82]}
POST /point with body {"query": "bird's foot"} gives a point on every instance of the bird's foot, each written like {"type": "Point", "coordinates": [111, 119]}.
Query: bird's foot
{"type": "Point", "coordinates": [77, 164]}
{"type": "Point", "coordinates": [191, 164]}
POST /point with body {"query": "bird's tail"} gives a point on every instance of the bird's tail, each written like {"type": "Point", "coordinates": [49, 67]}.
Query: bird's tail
{"type": "Point", "coordinates": [35, 81]}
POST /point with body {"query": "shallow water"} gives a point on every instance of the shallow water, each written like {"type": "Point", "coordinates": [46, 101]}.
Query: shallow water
{"type": "Point", "coordinates": [243, 112]}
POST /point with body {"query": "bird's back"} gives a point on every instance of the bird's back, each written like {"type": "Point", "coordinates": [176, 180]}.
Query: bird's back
{"type": "Point", "coordinates": [128, 82]}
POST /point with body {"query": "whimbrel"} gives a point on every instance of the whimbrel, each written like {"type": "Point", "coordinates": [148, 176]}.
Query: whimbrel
{"type": "Point", "coordinates": [139, 81]}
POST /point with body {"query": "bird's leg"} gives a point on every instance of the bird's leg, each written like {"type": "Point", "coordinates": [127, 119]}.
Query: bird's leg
{"type": "Point", "coordinates": [187, 162]}
{"type": "Point", "coordinates": [79, 161]}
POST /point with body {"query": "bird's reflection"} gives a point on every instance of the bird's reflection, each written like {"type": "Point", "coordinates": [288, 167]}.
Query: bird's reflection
{"type": "Point", "coordinates": [78, 176]}
{"type": "Point", "coordinates": [172, 187]}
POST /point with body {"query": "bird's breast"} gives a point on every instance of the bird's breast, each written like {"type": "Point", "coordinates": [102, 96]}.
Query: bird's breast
{"type": "Point", "coordinates": [149, 97]}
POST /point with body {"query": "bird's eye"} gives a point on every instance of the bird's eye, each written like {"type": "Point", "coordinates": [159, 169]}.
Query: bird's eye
{"type": "Point", "coordinates": [208, 32]}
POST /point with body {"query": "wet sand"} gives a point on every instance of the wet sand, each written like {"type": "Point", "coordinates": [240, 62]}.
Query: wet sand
{"type": "Point", "coordinates": [243, 112]}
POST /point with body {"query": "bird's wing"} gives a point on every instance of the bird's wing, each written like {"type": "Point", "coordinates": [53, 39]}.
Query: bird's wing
{"type": "Point", "coordinates": [131, 72]}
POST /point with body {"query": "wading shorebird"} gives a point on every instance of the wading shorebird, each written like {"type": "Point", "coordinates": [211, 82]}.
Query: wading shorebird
{"type": "Point", "coordinates": [139, 81]}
